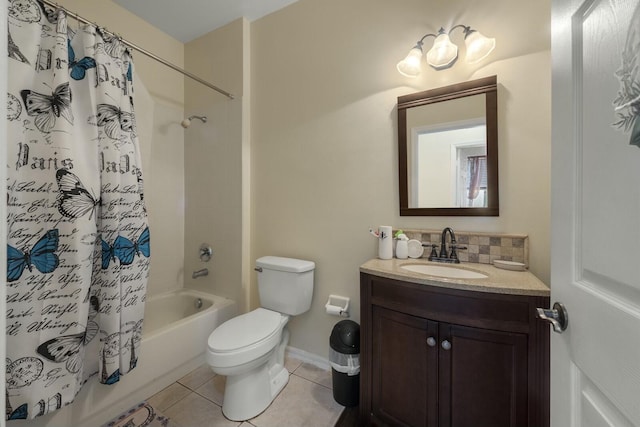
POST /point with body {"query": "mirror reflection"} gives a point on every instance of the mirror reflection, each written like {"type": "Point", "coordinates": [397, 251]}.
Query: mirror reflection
{"type": "Point", "coordinates": [448, 150]}
{"type": "Point", "coordinates": [448, 153]}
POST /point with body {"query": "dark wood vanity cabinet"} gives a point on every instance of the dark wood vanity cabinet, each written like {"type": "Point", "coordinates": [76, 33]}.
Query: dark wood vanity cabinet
{"type": "Point", "coordinates": [433, 356]}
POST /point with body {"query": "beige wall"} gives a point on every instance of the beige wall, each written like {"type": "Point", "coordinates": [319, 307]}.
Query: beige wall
{"type": "Point", "coordinates": [214, 162]}
{"type": "Point", "coordinates": [323, 132]}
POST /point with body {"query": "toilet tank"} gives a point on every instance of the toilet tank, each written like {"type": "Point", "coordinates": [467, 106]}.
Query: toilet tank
{"type": "Point", "coordinates": [285, 285]}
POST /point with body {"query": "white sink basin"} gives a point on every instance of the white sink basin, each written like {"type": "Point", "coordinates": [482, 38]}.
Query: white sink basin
{"type": "Point", "coordinates": [444, 271]}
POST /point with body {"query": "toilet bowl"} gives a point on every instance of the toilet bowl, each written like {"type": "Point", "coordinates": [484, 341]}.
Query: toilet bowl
{"type": "Point", "coordinates": [249, 349]}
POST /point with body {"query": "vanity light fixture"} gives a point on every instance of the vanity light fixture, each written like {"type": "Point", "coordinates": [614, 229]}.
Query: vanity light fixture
{"type": "Point", "coordinates": [443, 53]}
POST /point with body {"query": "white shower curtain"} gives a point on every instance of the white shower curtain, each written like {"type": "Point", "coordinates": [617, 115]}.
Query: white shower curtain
{"type": "Point", "coordinates": [78, 239]}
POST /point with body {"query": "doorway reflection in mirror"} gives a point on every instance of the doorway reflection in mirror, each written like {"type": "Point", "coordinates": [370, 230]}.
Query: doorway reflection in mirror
{"type": "Point", "coordinates": [449, 165]}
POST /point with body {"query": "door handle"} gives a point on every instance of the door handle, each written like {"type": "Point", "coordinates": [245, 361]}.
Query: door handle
{"type": "Point", "coordinates": [557, 316]}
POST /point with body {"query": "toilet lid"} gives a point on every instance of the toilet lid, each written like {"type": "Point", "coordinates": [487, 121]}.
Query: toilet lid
{"type": "Point", "coordinates": [244, 330]}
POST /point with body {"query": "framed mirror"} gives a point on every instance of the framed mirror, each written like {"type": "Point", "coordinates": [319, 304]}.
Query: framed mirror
{"type": "Point", "coordinates": [448, 150]}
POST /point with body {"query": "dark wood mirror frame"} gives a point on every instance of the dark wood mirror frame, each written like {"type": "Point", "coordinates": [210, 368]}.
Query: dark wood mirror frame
{"type": "Point", "coordinates": [487, 86]}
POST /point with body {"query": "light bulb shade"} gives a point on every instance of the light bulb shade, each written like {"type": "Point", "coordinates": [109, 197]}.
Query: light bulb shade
{"type": "Point", "coordinates": [443, 53]}
{"type": "Point", "coordinates": [410, 65]}
{"type": "Point", "coordinates": [478, 46]}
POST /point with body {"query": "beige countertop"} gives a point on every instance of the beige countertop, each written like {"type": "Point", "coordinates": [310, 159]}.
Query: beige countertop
{"type": "Point", "coordinates": [499, 281]}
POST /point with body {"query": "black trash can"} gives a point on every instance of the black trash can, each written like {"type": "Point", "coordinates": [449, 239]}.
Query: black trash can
{"type": "Point", "coordinates": [344, 356]}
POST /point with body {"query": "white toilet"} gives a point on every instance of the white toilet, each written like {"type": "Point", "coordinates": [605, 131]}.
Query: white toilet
{"type": "Point", "coordinates": [249, 349]}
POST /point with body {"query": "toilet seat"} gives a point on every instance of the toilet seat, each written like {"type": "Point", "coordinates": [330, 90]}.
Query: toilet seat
{"type": "Point", "coordinates": [245, 338]}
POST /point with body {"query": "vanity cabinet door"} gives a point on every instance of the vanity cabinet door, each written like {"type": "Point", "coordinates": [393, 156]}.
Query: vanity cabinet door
{"type": "Point", "coordinates": [482, 377]}
{"type": "Point", "coordinates": [493, 370]}
{"type": "Point", "coordinates": [404, 370]}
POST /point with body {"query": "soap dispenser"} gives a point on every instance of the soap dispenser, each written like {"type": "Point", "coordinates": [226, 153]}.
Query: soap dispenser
{"type": "Point", "coordinates": [402, 246]}
{"type": "Point", "coordinates": [385, 247]}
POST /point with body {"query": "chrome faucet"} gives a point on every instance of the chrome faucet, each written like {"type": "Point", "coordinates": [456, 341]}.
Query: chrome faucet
{"type": "Point", "coordinates": [200, 273]}
{"type": "Point", "coordinates": [452, 256]}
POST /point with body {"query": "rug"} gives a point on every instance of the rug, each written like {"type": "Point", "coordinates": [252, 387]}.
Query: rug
{"type": "Point", "coordinates": [141, 415]}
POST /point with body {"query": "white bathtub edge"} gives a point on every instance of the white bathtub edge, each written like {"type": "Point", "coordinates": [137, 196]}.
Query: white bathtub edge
{"type": "Point", "coordinates": [191, 292]}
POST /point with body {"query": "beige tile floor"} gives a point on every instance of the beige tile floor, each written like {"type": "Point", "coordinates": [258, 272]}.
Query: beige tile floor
{"type": "Point", "coordinates": [195, 400]}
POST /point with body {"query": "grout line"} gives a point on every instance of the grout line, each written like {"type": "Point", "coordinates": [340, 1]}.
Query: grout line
{"type": "Point", "coordinates": [249, 424]}
{"type": "Point", "coordinates": [177, 401]}
{"type": "Point", "coordinates": [313, 382]}
{"type": "Point", "coordinates": [206, 398]}
{"type": "Point", "coordinates": [193, 389]}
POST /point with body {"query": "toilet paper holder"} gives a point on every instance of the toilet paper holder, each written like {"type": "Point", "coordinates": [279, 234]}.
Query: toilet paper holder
{"type": "Point", "coordinates": [337, 306]}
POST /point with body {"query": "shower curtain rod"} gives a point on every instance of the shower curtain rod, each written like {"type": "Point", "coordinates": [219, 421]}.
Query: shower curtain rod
{"type": "Point", "coordinates": [139, 49]}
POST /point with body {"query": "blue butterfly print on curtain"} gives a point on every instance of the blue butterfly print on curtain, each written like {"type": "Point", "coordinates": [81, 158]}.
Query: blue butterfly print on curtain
{"type": "Point", "coordinates": [42, 256]}
{"type": "Point", "coordinates": [126, 250]}
{"type": "Point", "coordinates": [47, 108]}
{"type": "Point", "coordinates": [74, 201]}
{"type": "Point", "coordinates": [108, 254]}
{"type": "Point", "coordinates": [79, 68]}
{"type": "Point", "coordinates": [114, 120]}
{"type": "Point", "coordinates": [67, 348]}
{"type": "Point", "coordinates": [112, 379]}
{"type": "Point", "coordinates": [20, 413]}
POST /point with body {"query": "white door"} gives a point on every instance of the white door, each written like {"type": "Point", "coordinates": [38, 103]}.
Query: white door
{"type": "Point", "coordinates": [595, 269]}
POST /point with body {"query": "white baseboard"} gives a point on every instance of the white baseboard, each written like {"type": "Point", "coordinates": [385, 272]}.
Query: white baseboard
{"type": "Point", "coordinates": [305, 356]}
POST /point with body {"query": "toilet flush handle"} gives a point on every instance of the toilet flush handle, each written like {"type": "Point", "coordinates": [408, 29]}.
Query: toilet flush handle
{"type": "Point", "coordinates": [258, 269]}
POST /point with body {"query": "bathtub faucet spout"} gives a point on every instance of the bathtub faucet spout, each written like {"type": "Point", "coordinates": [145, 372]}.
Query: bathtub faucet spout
{"type": "Point", "coordinates": [200, 273]}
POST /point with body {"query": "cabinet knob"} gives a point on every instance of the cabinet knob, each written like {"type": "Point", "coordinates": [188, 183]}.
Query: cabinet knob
{"type": "Point", "coordinates": [431, 342]}
{"type": "Point", "coordinates": [446, 345]}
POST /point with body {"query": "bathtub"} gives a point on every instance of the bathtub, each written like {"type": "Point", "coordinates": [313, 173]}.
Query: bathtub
{"type": "Point", "coordinates": [174, 339]}
{"type": "Point", "coordinates": [174, 308]}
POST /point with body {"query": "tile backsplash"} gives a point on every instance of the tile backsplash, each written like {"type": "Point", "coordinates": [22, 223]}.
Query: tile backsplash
{"type": "Point", "coordinates": [482, 248]}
